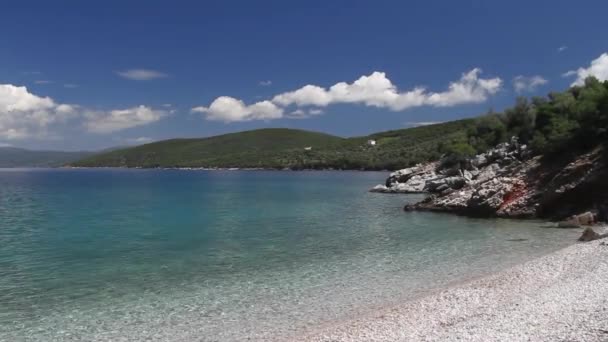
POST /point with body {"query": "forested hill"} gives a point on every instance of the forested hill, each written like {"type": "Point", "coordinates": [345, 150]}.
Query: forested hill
{"type": "Point", "coordinates": [290, 148]}
{"type": "Point", "coordinates": [18, 157]}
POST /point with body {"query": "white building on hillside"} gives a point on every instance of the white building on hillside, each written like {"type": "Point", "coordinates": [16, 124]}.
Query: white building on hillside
{"type": "Point", "coordinates": [371, 142]}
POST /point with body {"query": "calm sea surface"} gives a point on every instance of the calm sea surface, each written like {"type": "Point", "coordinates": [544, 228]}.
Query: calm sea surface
{"type": "Point", "coordinates": [150, 255]}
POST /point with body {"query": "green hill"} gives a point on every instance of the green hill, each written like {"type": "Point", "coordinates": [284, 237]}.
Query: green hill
{"type": "Point", "coordinates": [18, 157]}
{"type": "Point", "coordinates": [285, 148]}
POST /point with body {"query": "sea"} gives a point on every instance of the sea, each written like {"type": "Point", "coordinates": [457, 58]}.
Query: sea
{"type": "Point", "coordinates": [176, 255]}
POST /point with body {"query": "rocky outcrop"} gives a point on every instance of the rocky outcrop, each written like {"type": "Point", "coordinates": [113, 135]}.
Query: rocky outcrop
{"type": "Point", "coordinates": [410, 180]}
{"type": "Point", "coordinates": [508, 182]}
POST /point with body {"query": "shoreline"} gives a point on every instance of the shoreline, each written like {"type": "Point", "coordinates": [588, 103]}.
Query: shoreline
{"type": "Point", "coordinates": [560, 296]}
{"type": "Point", "coordinates": [217, 169]}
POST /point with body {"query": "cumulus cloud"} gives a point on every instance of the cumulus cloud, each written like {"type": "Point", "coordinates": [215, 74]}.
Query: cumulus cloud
{"type": "Point", "coordinates": [562, 48]}
{"type": "Point", "coordinates": [597, 68]}
{"type": "Point", "coordinates": [229, 109]}
{"type": "Point", "coordinates": [141, 74]}
{"type": "Point", "coordinates": [265, 83]}
{"type": "Point", "coordinates": [469, 89]}
{"type": "Point", "coordinates": [119, 119]}
{"type": "Point", "coordinates": [25, 115]}
{"type": "Point", "coordinates": [523, 84]}
{"type": "Point", "coordinates": [378, 91]}
{"type": "Point", "coordinates": [374, 90]}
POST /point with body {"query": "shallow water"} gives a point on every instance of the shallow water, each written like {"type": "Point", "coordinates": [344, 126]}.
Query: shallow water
{"type": "Point", "coordinates": [121, 255]}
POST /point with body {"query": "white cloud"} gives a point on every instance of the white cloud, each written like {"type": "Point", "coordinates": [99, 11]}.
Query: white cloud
{"type": "Point", "coordinates": [378, 91]}
{"type": "Point", "coordinates": [119, 119]}
{"type": "Point", "coordinates": [597, 68]}
{"type": "Point", "coordinates": [298, 112]}
{"type": "Point", "coordinates": [138, 140]}
{"type": "Point", "coordinates": [303, 113]}
{"type": "Point", "coordinates": [562, 48]}
{"type": "Point", "coordinates": [43, 82]}
{"type": "Point", "coordinates": [315, 111]}
{"type": "Point", "coordinates": [141, 74]}
{"type": "Point", "coordinates": [70, 85]}
{"type": "Point", "coordinates": [23, 114]}
{"type": "Point", "coordinates": [309, 95]}
{"type": "Point", "coordinates": [469, 89]}
{"type": "Point", "coordinates": [523, 84]}
{"type": "Point", "coordinates": [421, 123]}
{"type": "Point", "coordinates": [26, 115]}
{"type": "Point", "coordinates": [265, 83]}
{"type": "Point", "coordinates": [229, 109]}
{"type": "Point", "coordinates": [374, 90]}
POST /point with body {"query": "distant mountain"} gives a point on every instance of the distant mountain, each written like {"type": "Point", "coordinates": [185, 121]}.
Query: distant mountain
{"type": "Point", "coordinates": [290, 148]}
{"type": "Point", "coordinates": [18, 157]}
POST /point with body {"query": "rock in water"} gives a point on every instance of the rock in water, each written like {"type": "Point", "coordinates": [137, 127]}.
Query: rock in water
{"type": "Point", "coordinates": [589, 235]}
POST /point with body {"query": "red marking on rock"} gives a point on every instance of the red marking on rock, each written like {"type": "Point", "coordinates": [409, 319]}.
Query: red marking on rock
{"type": "Point", "coordinates": [517, 191]}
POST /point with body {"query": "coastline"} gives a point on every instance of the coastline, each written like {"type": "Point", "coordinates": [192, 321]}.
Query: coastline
{"type": "Point", "coordinates": [218, 169]}
{"type": "Point", "coordinates": [557, 297]}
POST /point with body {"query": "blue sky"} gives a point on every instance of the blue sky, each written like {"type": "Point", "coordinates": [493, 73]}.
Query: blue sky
{"type": "Point", "coordinates": [101, 74]}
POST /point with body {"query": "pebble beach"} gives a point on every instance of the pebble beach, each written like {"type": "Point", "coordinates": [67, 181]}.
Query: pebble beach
{"type": "Point", "coordinates": [562, 296]}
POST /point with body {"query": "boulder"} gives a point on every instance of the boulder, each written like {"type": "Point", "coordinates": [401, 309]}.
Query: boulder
{"type": "Point", "coordinates": [435, 184]}
{"type": "Point", "coordinates": [467, 175]}
{"type": "Point", "coordinates": [442, 187]}
{"type": "Point", "coordinates": [479, 160]}
{"type": "Point", "coordinates": [487, 173]}
{"type": "Point", "coordinates": [455, 182]}
{"type": "Point", "coordinates": [586, 218]}
{"type": "Point", "coordinates": [402, 176]}
{"type": "Point", "coordinates": [488, 197]}
{"type": "Point", "coordinates": [589, 235]}
{"type": "Point", "coordinates": [575, 221]}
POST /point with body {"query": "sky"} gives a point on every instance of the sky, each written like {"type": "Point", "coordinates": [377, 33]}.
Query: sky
{"type": "Point", "coordinates": [78, 75]}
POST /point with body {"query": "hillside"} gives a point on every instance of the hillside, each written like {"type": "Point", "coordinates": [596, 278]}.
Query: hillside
{"type": "Point", "coordinates": [285, 148]}
{"type": "Point", "coordinates": [18, 157]}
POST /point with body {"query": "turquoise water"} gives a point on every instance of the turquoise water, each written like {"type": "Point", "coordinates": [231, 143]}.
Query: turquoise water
{"type": "Point", "coordinates": [138, 255]}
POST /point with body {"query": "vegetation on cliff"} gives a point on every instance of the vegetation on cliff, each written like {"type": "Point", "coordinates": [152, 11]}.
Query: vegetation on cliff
{"type": "Point", "coordinates": [571, 121]}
